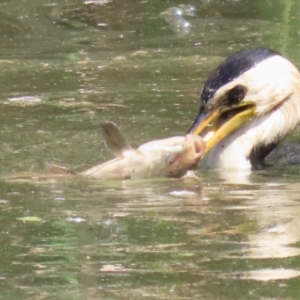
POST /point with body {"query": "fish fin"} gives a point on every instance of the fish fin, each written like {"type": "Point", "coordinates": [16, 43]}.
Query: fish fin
{"type": "Point", "coordinates": [114, 139]}
{"type": "Point", "coordinates": [55, 169]}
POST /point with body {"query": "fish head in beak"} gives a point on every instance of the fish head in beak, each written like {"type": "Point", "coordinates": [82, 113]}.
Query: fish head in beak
{"type": "Point", "coordinates": [223, 115]}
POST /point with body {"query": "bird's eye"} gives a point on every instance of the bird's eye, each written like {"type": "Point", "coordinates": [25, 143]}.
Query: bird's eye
{"type": "Point", "coordinates": [236, 94]}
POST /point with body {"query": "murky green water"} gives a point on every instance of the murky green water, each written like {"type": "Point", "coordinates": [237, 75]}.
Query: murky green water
{"type": "Point", "coordinates": [133, 63]}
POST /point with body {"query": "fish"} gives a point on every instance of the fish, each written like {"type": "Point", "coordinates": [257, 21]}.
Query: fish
{"type": "Point", "coordinates": [170, 157]}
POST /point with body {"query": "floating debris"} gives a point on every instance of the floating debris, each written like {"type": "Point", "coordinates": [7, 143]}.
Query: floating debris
{"type": "Point", "coordinates": [98, 2]}
{"type": "Point", "coordinates": [30, 219]}
{"type": "Point", "coordinates": [183, 193]}
{"type": "Point", "coordinates": [76, 219]}
{"type": "Point", "coordinates": [102, 24]}
{"type": "Point", "coordinates": [113, 268]}
{"type": "Point", "coordinates": [25, 99]}
{"type": "Point", "coordinates": [266, 274]}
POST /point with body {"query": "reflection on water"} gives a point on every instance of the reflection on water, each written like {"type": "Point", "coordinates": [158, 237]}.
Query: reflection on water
{"type": "Point", "coordinates": [140, 236]}
{"type": "Point", "coordinates": [224, 236]}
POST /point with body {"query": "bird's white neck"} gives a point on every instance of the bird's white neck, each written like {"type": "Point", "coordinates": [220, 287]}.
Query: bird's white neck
{"type": "Point", "coordinates": [233, 152]}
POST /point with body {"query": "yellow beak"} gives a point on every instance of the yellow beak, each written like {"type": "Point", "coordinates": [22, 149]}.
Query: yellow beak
{"type": "Point", "coordinates": [216, 133]}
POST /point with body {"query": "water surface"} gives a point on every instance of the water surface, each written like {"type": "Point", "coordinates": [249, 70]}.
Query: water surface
{"type": "Point", "coordinates": [140, 64]}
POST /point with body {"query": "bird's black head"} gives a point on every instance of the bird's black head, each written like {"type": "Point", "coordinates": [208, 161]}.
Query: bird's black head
{"type": "Point", "coordinates": [231, 68]}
